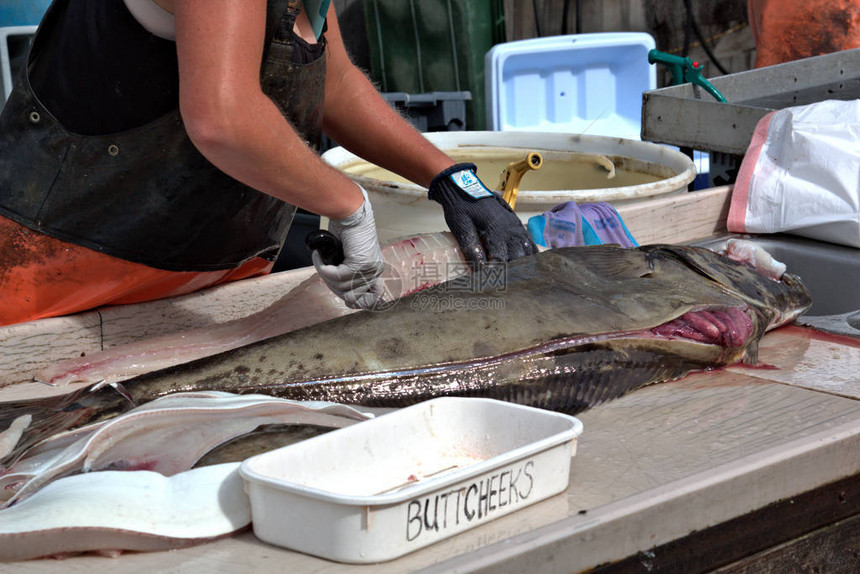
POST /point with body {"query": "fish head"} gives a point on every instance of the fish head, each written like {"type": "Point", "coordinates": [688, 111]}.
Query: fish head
{"type": "Point", "coordinates": [688, 300]}
{"type": "Point", "coordinates": [775, 302]}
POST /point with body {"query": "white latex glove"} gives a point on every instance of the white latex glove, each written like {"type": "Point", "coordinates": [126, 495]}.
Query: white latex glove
{"type": "Point", "coordinates": [356, 280]}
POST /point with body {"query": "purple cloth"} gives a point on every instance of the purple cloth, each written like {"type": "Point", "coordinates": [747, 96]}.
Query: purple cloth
{"type": "Point", "coordinates": [607, 224]}
{"type": "Point", "coordinates": [569, 224]}
{"type": "Point", "coordinates": [563, 225]}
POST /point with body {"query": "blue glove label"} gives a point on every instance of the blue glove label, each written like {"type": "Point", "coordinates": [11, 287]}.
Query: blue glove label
{"type": "Point", "coordinates": [470, 184]}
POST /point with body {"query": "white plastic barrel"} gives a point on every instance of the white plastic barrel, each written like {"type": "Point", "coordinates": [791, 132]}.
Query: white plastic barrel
{"type": "Point", "coordinates": [401, 208]}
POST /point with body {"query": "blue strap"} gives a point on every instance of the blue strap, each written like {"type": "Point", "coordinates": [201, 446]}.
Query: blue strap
{"type": "Point", "coordinates": [316, 10]}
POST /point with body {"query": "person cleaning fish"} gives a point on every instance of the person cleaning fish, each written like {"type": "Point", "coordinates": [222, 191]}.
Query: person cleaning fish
{"type": "Point", "coordinates": [157, 147]}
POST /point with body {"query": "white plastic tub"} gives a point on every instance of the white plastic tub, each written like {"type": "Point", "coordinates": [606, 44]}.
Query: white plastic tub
{"type": "Point", "coordinates": [579, 83]}
{"type": "Point", "coordinates": [389, 486]}
{"type": "Point", "coordinates": [402, 208]}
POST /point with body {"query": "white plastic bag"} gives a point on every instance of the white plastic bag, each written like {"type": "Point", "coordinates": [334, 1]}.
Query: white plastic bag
{"type": "Point", "coordinates": [801, 174]}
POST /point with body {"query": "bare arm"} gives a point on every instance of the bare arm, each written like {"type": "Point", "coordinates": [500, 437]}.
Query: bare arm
{"type": "Point", "coordinates": [233, 123]}
{"type": "Point", "coordinates": [359, 119]}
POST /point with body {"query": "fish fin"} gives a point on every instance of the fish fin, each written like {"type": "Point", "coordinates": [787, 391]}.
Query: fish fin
{"type": "Point", "coordinates": [617, 264]}
{"type": "Point", "coordinates": [751, 354]}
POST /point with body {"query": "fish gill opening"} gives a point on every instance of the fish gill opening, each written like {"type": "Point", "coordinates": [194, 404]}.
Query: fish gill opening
{"type": "Point", "coordinates": [729, 327]}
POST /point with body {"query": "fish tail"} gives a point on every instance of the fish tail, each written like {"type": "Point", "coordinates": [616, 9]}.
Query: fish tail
{"type": "Point", "coordinates": [27, 422]}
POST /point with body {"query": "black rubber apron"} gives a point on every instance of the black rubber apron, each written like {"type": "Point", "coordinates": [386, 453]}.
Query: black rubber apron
{"type": "Point", "coordinates": [147, 195]}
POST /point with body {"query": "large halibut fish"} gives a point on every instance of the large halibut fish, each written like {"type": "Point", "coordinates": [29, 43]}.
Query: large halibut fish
{"type": "Point", "coordinates": [565, 329]}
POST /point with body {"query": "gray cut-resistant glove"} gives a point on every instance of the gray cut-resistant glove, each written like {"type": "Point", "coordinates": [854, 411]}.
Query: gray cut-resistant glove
{"type": "Point", "coordinates": [356, 280]}
{"type": "Point", "coordinates": [482, 222]}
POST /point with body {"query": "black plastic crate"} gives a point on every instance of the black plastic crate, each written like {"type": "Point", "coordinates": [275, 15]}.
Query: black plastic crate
{"type": "Point", "coordinates": [433, 111]}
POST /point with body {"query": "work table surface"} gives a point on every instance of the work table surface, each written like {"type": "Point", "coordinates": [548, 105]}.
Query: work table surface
{"type": "Point", "coordinates": [651, 467]}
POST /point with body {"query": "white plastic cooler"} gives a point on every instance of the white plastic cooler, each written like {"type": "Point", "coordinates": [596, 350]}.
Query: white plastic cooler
{"type": "Point", "coordinates": [580, 83]}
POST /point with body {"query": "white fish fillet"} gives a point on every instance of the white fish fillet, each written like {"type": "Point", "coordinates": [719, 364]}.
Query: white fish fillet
{"type": "Point", "coordinates": [167, 436]}
{"type": "Point", "coordinates": [10, 437]}
{"type": "Point", "coordinates": [413, 264]}
{"type": "Point", "coordinates": [129, 510]}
